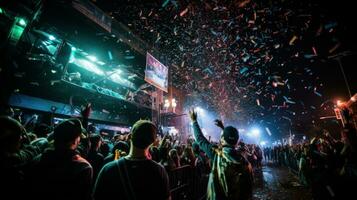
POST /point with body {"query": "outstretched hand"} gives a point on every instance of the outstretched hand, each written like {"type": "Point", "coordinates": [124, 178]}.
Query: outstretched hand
{"type": "Point", "coordinates": [193, 115]}
{"type": "Point", "coordinates": [86, 110]}
{"type": "Point", "coordinates": [219, 123]}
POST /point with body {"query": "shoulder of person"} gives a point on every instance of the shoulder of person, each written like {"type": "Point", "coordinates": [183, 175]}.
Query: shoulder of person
{"type": "Point", "coordinates": [81, 161]}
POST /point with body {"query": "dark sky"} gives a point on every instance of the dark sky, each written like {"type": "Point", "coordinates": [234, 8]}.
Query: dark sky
{"type": "Point", "coordinates": [264, 62]}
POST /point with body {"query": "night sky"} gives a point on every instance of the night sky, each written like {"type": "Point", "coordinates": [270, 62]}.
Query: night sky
{"type": "Point", "coordinates": [265, 62]}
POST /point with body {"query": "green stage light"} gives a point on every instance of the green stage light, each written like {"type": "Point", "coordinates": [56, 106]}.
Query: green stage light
{"type": "Point", "coordinates": [100, 62]}
{"type": "Point", "coordinates": [92, 58]}
{"type": "Point", "coordinates": [1, 11]}
{"type": "Point", "coordinates": [74, 48]}
{"type": "Point", "coordinates": [17, 30]}
{"type": "Point", "coordinates": [22, 22]}
{"type": "Point", "coordinates": [51, 37]}
{"type": "Point", "coordinates": [116, 78]}
{"type": "Point", "coordinates": [88, 66]}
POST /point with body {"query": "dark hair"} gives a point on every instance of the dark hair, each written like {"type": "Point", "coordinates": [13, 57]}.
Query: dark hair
{"type": "Point", "coordinates": [143, 134]}
{"type": "Point", "coordinates": [230, 135]}
{"type": "Point", "coordinates": [67, 130]}
{"type": "Point", "coordinates": [42, 130]}
{"type": "Point", "coordinates": [94, 139]}
{"type": "Point", "coordinates": [122, 146]}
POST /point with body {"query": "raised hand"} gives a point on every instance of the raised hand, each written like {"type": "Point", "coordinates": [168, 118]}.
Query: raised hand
{"type": "Point", "coordinates": [193, 115]}
{"type": "Point", "coordinates": [85, 112]}
{"type": "Point", "coordinates": [219, 123]}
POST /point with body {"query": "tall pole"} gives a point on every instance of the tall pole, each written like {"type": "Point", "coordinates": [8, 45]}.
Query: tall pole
{"type": "Point", "coordinates": [338, 58]}
{"type": "Point", "coordinates": [344, 76]}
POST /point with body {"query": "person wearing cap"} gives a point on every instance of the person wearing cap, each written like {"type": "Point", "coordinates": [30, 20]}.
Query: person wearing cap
{"type": "Point", "coordinates": [61, 173]}
{"type": "Point", "coordinates": [134, 176]}
{"type": "Point", "coordinates": [14, 157]}
{"type": "Point", "coordinates": [231, 173]}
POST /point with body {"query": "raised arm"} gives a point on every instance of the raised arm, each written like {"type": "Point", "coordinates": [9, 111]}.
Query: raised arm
{"type": "Point", "coordinates": [204, 144]}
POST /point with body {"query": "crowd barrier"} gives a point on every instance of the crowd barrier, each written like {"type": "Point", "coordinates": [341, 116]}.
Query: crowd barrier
{"type": "Point", "coordinates": [186, 183]}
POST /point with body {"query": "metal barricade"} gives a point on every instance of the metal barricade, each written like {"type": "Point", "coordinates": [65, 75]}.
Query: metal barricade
{"type": "Point", "coordinates": [187, 184]}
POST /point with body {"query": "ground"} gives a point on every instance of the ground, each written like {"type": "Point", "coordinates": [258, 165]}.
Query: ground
{"type": "Point", "coordinates": [273, 182]}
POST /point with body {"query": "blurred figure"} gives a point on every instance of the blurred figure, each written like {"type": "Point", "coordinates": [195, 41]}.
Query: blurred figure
{"type": "Point", "coordinates": [119, 150]}
{"type": "Point", "coordinates": [174, 159]}
{"type": "Point", "coordinates": [95, 158]}
{"type": "Point", "coordinates": [188, 157]}
{"type": "Point", "coordinates": [14, 157]}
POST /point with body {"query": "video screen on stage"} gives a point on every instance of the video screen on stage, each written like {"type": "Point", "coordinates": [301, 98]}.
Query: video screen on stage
{"type": "Point", "coordinates": [156, 73]}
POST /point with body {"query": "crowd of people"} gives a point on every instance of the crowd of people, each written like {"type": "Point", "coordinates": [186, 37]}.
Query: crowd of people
{"type": "Point", "coordinates": [72, 161]}
{"type": "Point", "coordinates": [325, 164]}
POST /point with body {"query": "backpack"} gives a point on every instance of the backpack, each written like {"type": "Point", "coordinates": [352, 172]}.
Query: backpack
{"type": "Point", "coordinates": [231, 176]}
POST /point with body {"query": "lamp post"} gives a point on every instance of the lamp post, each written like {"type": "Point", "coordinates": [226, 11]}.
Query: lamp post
{"type": "Point", "coordinates": [338, 58]}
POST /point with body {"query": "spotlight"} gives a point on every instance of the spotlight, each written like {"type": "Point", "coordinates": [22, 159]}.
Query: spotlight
{"type": "Point", "coordinates": [198, 109]}
{"type": "Point", "coordinates": [51, 37]}
{"type": "Point", "coordinates": [22, 22]}
{"type": "Point", "coordinates": [255, 132]}
{"type": "Point", "coordinates": [92, 58]}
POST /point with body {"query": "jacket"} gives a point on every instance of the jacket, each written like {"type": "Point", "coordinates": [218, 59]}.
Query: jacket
{"type": "Point", "coordinates": [231, 175]}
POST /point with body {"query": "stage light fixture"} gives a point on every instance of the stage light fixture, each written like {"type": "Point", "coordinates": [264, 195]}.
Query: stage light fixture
{"type": "Point", "coordinates": [22, 22]}
{"type": "Point", "coordinates": [51, 37]}
{"type": "Point", "coordinates": [92, 58]}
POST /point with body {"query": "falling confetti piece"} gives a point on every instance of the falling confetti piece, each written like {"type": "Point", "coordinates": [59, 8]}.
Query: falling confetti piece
{"type": "Point", "coordinates": [291, 42]}
{"type": "Point", "coordinates": [183, 12]}
{"type": "Point", "coordinates": [268, 131]}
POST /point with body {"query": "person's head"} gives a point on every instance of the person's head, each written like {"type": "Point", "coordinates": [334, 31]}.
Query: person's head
{"type": "Point", "coordinates": [68, 133]}
{"type": "Point", "coordinates": [42, 130]}
{"type": "Point", "coordinates": [10, 135]}
{"type": "Point", "coordinates": [179, 149]}
{"type": "Point", "coordinates": [6, 111]}
{"type": "Point", "coordinates": [143, 134]}
{"type": "Point", "coordinates": [230, 136]}
{"type": "Point", "coordinates": [173, 154]}
{"type": "Point", "coordinates": [92, 129]}
{"type": "Point", "coordinates": [31, 136]}
{"type": "Point", "coordinates": [121, 146]}
{"type": "Point", "coordinates": [95, 141]}
{"type": "Point", "coordinates": [188, 151]}
{"type": "Point", "coordinates": [104, 148]}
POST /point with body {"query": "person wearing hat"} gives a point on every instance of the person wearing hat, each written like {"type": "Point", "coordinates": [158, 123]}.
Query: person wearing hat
{"type": "Point", "coordinates": [14, 157]}
{"type": "Point", "coordinates": [231, 173]}
{"type": "Point", "coordinates": [136, 176]}
{"type": "Point", "coordinates": [61, 173]}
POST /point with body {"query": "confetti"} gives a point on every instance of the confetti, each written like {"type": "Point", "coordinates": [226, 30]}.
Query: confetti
{"type": "Point", "coordinates": [244, 70]}
{"type": "Point", "coordinates": [234, 56]}
{"type": "Point", "coordinates": [292, 40]}
{"type": "Point", "coordinates": [183, 12]}
{"type": "Point", "coordinates": [268, 131]}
